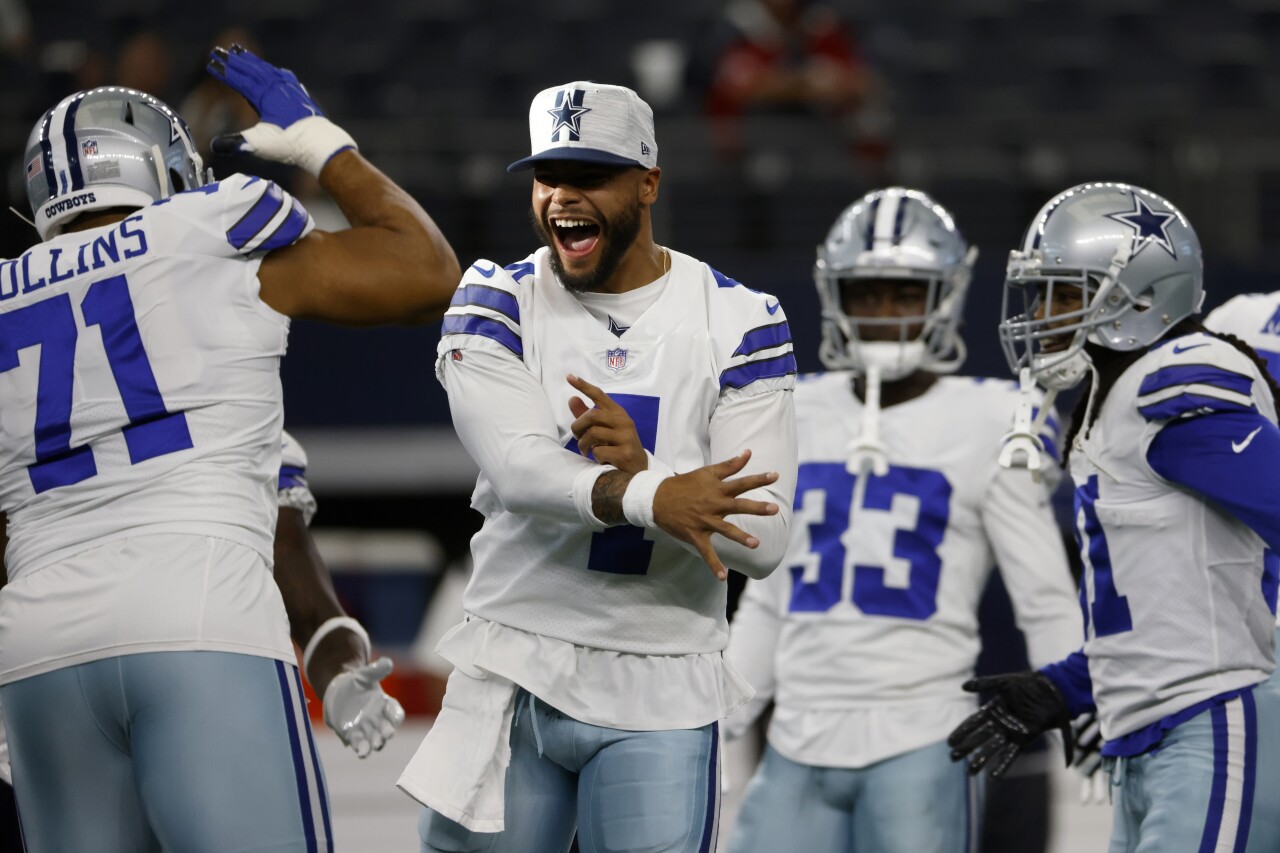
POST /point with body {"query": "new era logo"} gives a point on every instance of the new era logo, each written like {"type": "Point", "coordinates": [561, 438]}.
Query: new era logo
{"type": "Point", "coordinates": [644, 150]}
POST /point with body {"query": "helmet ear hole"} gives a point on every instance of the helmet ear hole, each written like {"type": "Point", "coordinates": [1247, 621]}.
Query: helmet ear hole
{"type": "Point", "coordinates": [176, 181]}
{"type": "Point", "coordinates": [126, 115]}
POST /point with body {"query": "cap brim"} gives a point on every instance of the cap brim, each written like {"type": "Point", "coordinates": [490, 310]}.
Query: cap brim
{"type": "Point", "coordinates": [584, 155]}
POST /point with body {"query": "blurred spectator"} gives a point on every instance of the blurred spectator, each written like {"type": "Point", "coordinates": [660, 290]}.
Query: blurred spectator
{"type": "Point", "coordinates": [783, 56]}
{"type": "Point", "coordinates": [212, 109]}
{"type": "Point", "coordinates": [145, 63]}
{"type": "Point", "coordinates": [15, 28]}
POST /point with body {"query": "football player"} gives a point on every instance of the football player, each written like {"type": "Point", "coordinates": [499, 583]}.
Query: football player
{"type": "Point", "coordinates": [146, 670]}
{"type": "Point", "coordinates": [589, 675]}
{"type": "Point", "coordinates": [1175, 457]}
{"type": "Point", "coordinates": [867, 630]}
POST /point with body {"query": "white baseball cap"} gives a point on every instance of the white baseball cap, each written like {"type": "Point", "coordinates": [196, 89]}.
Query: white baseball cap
{"type": "Point", "coordinates": [592, 122]}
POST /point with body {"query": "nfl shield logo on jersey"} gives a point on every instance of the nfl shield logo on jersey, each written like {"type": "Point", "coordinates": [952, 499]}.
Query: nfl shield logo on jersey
{"type": "Point", "coordinates": [90, 147]}
{"type": "Point", "coordinates": [616, 359]}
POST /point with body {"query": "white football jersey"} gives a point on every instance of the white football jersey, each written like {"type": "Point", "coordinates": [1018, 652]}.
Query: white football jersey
{"type": "Point", "coordinates": [874, 609]}
{"type": "Point", "coordinates": [140, 396]}
{"type": "Point", "coordinates": [1162, 564]}
{"type": "Point", "coordinates": [705, 338]}
{"type": "Point", "coordinates": [1255, 319]}
{"type": "Point", "coordinates": [139, 376]}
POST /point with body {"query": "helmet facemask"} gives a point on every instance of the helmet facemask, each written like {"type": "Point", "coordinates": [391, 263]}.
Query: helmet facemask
{"type": "Point", "coordinates": [1131, 259]}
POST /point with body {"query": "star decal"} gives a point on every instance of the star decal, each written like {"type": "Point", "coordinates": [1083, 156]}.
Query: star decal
{"type": "Point", "coordinates": [568, 113]}
{"type": "Point", "coordinates": [615, 328]}
{"type": "Point", "coordinates": [1150, 226]}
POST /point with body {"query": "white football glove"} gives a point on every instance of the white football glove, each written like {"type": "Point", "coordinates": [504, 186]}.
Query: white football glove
{"type": "Point", "coordinates": [356, 708]}
{"type": "Point", "coordinates": [293, 130]}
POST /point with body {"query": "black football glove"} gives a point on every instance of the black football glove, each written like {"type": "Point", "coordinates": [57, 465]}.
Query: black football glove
{"type": "Point", "coordinates": [1025, 705]}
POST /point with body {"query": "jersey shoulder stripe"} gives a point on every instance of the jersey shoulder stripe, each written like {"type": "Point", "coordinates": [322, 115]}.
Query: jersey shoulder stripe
{"type": "Point", "coordinates": [752, 371]}
{"type": "Point", "coordinates": [1181, 390]}
{"type": "Point", "coordinates": [486, 304]}
{"type": "Point", "coordinates": [245, 215]}
{"type": "Point", "coordinates": [765, 350]}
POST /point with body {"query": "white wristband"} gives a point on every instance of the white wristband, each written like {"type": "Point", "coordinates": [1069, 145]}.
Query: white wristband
{"type": "Point", "coordinates": [327, 627]}
{"type": "Point", "coordinates": [308, 143]}
{"type": "Point", "coordinates": [637, 500]}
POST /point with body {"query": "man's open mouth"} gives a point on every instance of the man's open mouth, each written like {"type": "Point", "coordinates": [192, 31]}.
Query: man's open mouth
{"type": "Point", "coordinates": [576, 237]}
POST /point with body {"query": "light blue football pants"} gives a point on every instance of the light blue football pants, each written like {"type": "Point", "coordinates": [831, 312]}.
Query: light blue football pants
{"type": "Point", "coordinates": [621, 790]}
{"type": "Point", "coordinates": [1211, 785]}
{"type": "Point", "coordinates": [917, 802]}
{"type": "Point", "coordinates": [189, 752]}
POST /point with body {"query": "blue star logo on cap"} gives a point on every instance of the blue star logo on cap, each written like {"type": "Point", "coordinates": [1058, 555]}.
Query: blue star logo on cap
{"type": "Point", "coordinates": [568, 113]}
{"type": "Point", "coordinates": [1150, 226]}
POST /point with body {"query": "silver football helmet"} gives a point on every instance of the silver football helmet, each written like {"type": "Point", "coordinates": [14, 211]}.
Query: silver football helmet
{"type": "Point", "coordinates": [107, 147]}
{"type": "Point", "coordinates": [1129, 256]}
{"type": "Point", "coordinates": [895, 234]}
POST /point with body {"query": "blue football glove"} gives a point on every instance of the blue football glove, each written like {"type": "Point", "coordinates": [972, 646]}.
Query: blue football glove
{"type": "Point", "coordinates": [293, 129]}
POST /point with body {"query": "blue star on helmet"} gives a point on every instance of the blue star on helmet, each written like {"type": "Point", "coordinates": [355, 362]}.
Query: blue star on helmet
{"type": "Point", "coordinates": [1149, 224]}
{"type": "Point", "coordinates": [568, 113]}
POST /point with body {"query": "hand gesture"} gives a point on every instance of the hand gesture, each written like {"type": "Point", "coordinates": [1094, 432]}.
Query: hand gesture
{"type": "Point", "coordinates": [356, 708]}
{"type": "Point", "coordinates": [691, 507]}
{"type": "Point", "coordinates": [606, 432]}
{"type": "Point", "coordinates": [293, 130]}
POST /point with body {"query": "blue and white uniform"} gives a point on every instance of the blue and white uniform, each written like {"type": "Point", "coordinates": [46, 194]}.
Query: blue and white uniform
{"type": "Point", "coordinates": [140, 420]}
{"type": "Point", "coordinates": [1179, 597]}
{"type": "Point", "coordinates": [618, 631]}
{"type": "Point", "coordinates": [869, 627]}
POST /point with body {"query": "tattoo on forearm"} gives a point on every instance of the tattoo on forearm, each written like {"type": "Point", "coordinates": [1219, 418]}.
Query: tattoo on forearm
{"type": "Point", "coordinates": [606, 496]}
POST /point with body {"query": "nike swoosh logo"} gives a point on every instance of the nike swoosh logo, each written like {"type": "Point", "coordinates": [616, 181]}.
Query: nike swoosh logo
{"type": "Point", "coordinates": [1179, 350]}
{"type": "Point", "coordinates": [1239, 448]}
{"type": "Point", "coordinates": [488, 273]}
{"type": "Point", "coordinates": [772, 309]}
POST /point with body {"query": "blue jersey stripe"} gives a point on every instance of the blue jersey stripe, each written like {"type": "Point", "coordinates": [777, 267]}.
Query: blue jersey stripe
{"type": "Point", "coordinates": [485, 296]}
{"type": "Point", "coordinates": [474, 324]}
{"type": "Point", "coordinates": [766, 368]}
{"type": "Point", "coordinates": [256, 218]}
{"type": "Point", "coordinates": [288, 231]}
{"type": "Point", "coordinates": [299, 771]}
{"type": "Point", "coordinates": [73, 146]}
{"type": "Point", "coordinates": [1197, 374]}
{"type": "Point", "coordinates": [519, 271]}
{"type": "Point", "coordinates": [764, 337]}
{"type": "Point", "coordinates": [1187, 403]}
{"type": "Point", "coordinates": [292, 476]}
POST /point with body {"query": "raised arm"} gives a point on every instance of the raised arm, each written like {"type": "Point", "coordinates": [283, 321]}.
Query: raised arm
{"type": "Point", "coordinates": [392, 266]}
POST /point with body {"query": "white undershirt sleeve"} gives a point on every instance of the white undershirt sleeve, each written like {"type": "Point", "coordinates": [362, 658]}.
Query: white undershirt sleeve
{"type": "Point", "coordinates": [503, 418]}
{"type": "Point", "coordinates": [766, 425]}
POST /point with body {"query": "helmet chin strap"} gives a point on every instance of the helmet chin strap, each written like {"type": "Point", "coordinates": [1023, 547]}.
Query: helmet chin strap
{"type": "Point", "coordinates": [866, 453]}
{"type": "Point", "coordinates": [1022, 446]}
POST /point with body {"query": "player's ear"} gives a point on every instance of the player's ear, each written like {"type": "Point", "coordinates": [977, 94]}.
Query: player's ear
{"type": "Point", "coordinates": [649, 185]}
